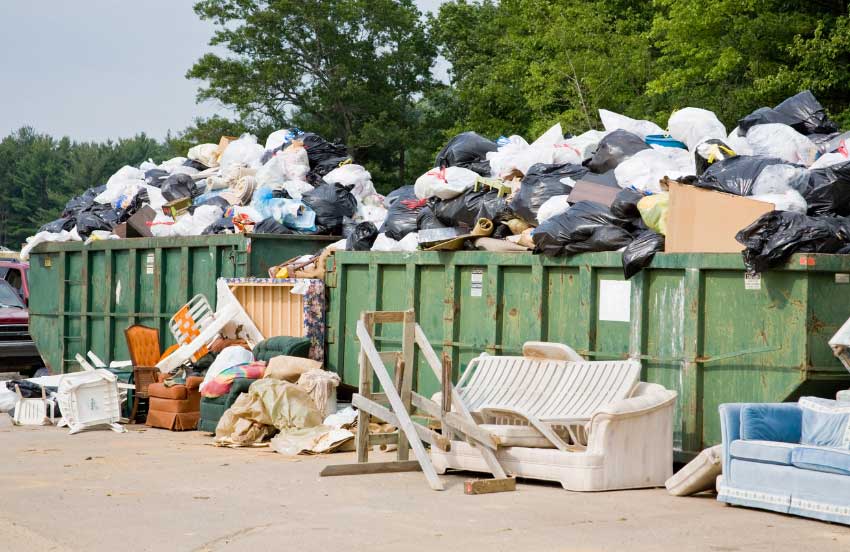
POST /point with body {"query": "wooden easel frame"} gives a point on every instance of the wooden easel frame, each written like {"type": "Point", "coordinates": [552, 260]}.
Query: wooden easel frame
{"type": "Point", "coordinates": [395, 404]}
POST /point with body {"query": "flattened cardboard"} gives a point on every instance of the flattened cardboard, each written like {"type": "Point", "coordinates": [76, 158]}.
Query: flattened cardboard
{"type": "Point", "coordinates": [136, 226]}
{"type": "Point", "coordinates": [706, 221]}
{"type": "Point", "coordinates": [584, 190]}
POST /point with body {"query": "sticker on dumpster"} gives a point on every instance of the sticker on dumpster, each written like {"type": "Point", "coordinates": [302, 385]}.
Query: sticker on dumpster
{"type": "Point", "coordinates": [615, 300]}
{"type": "Point", "coordinates": [149, 264]}
{"type": "Point", "coordinates": [476, 285]}
{"type": "Point", "coordinates": [752, 281]}
{"type": "Point", "coordinates": [841, 278]}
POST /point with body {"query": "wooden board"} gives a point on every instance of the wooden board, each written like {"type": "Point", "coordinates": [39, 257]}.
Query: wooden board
{"type": "Point", "coordinates": [486, 486]}
{"type": "Point", "coordinates": [370, 467]}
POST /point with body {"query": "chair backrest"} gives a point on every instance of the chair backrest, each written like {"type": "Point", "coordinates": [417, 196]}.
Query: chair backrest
{"type": "Point", "coordinates": [550, 390]}
{"type": "Point", "coordinates": [143, 376]}
{"type": "Point", "coordinates": [188, 322]}
{"type": "Point", "coordinates": [143, 345]}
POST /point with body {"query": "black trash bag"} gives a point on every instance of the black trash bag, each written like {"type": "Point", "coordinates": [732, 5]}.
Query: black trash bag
{"type": "Point", "coordinates": [89, 222]}
{"type": "Point", "coordinates": [224, 225]}
{"type": "Point", "coordinates": [427, 220]}
{"type": "Point", "coordinates": [82, 202]}
{"type": "Point", "coordinates": [624, 206]}
{"type": "Point", "coordinates": [128, 208]}
{"type": "Point", "coordinates": [324, 167]}
{"type": "Point", "coordinates": [716, 150]}
{"type": "Point", "coordinates": [362, 237]}
{"type": "Point", "coordinates": [496, 209]}
{"type": "Point", "coordinates": [323, 155]}
{"type": "Point", "coordinates": [402, 213]}
{"type": "Point", "coordinates": [195, 164]}
{"type": "Point", "coordinates": [640, 252]}
{"type": "Point", "coordinates": [613, 149]}
{"type": "Point", "coordinates": [541, 182]}
{"type": "Point", "coordinates": [775, 236]}
{"type": "Point", "coordinates": [803, 112]}
{"type": "Point", "coordinates": [468, 150]}
{"type": "Point", "coordinates": [59, 225]}
{"type": "Point", "coordinates": [465, 209]}
{"type": "Point", "coordinates": [155, 177]}
{"type": "Point", "coordinates": [178, 186]}
{"type": "Point", "coordinates": [332, 203]}
{"type": "Point", "coordinates": [216, 201]}
{"type": "Point", "coordinates": [271, 226]}
{"type": "Point", "coordinates": [828, 192]}
{"type": "Point", "coordinates": [29, 390]}
{"type": "Point", "coordinates": [586, 226]}
{"type": "Point", "coordinates": [736, 175]}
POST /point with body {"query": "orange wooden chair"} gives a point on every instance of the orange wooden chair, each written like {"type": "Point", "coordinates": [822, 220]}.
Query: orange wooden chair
{"type": "Point", "coordinates": [143, 345]}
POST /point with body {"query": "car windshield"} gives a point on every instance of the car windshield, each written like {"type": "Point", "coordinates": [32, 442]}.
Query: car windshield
{"type": "Point", "coordinates": [9, 297]}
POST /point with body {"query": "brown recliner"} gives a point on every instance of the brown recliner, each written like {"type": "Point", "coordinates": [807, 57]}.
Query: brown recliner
{"type": "Point", "coordinates": [176, 407]}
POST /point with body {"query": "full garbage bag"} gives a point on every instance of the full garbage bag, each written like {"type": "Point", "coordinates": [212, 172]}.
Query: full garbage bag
{"type": "Point", "coordinates": [58, 225]}
{"type": "Point", "coordinates": [155, 177]}
{"type": "Point", "coordinates": [555, 205]}
{"type": "Point", "coordinates": [829, 159]}
{"type": "Point", "coordinates": [693, 126]}
{"type": "Point", "coordinates": [362, 237]}
{"type": "Point", "coordinates": [542, 182]}
{"type": "Point", "coordinates": [125, 181]}
{"type": "Point", "coordinates": [654, 210]}
{"type": "Point", "coordinates": [410, 242]}
{"type": "Point", "coordinates": [468, 150]}
{"type": "Point", "coordinates": [736, 175]}
{"type": "Point", "coordinates": [782, 141]}
{"type": "Point", "coordinates": [331, 203]}
{"type": "Point", "coordinates": [278, 138]}
{"type": "Point", "coordinates": [205, 154]}
{"type": "Point", "coordinates": [586, 226]}
{"type": "Point", "coordinates": [444, 183]}
{"type": "Point", "coordinates": [271, 226]}
{"type": "Point", "coordinates": [371, 209]}
{"type": "Point", "coordinates": [802, 111]}
{"type": "Point", "coordinates": [625, 204]}
{"type": "Point", "coordinates": [355, 176]}
{"type": "Point", "coordinates": [584, 144]}
{"type": "Point", "coordinates": [244, 151]}
{"type": "Point", "coordinates": [465, 209]}
{"type": "Point", "coordinates": [296, 161]}
{"type": "Point", "coordinates": [778, 179]}
{"type": "Point", "coordinates": [775, 236]}
{"type": "Point", "coordinates": [615, 148]}
{"type": "Point", "coordinates": [645, 169]}
{"type": "Point", "coordinates": [272, 174]}
{"type": "Point", "coordinates": [828, 190]}
{"type": "Point", "coordinates": [789, 200]}
{"type": "Point", "coordinates": [178, 186]}
{"type": "Point", "coordinates": [323, 156]}
{"type": "Point", "coordinates": [82, 202]}
{"type": "Point", "coordinates": [614, 121]}
{"type": "Point", "coordinates": [518, 156]}
{"type": "Point", "coordinates": [404, 208]}
{"type": "Point", "coordinates": [296, 188]}
{"type": "Point", "coordinates": [640, 252]}
{"type": "Point", "coordinates": [89, 222]}
{"type": "Point", "coordinates": [427, 220]}
{"type": "Point", "coordinates": [710, 151]}
{"type": "Point", "coordinates": [738, 143]}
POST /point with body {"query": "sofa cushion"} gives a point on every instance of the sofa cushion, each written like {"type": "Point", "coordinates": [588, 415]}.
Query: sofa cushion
{"type": "Point", "coordinates": [771, 422]}
{"type": "Point", "coordinates": [822, 459]}
{"type": "Point", "coordinates": [698, 475]}
{"type": "Point", "coordinates": [826, 423]}
{"type": "Point", "coordinates": [175, 392]}
{"type": "Point", "coordinates": [518, 436]}
{"type": "Point", "coordinates": [767, 452]}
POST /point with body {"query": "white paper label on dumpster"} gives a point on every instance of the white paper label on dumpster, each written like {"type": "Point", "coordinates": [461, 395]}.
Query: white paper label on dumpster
{"type": "Point", "coordinates": [842, 278]}
{"type": "Point", "coordinates": [476, 283]}
{"type": "Point", "coordinates": [752, 281]}
{"type": "Point", "coordinates": [149, 264]}
{"type": "Point", "coordinates": [615, 300]}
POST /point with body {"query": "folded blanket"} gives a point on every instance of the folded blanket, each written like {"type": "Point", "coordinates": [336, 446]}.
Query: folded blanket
{"type": "Point", "coordinates": [221, 383]}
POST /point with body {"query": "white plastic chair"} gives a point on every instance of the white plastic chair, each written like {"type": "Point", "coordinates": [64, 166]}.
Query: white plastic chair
{"type": "Point", "coordinates": [89, 399]}
{"type": "Point", "coordinates": [33, 411]}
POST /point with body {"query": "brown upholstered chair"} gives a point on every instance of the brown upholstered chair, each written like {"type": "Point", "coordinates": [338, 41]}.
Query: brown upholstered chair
{"type": "Point", "coordinates": [175, 407]}
{"type": "Point", "coordinates": [143, 345]}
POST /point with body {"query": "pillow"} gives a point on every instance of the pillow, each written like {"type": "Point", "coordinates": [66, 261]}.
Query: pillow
{"type": "Point", "coordinates": [826, 423]}
{"type": "Point", "coordinates": [290, 368]}
{"type": "Point", "coordinates": [698, 475]}
{"type": "Point", "coordinates": [771, 422]}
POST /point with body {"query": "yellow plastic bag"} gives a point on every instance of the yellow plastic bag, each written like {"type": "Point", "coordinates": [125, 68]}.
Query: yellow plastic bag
{"type": "Point", "coordinates": [653, 210]}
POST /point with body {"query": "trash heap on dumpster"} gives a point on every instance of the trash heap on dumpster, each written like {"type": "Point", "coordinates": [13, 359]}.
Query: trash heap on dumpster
{"type": "Point", "coordinates": [558, 195]}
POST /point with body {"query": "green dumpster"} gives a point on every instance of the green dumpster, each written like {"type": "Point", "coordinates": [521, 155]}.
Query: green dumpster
{"type": "Point", "coordinates": [83, 297]}
{"type": "Point", "coordinates": [699, 325]}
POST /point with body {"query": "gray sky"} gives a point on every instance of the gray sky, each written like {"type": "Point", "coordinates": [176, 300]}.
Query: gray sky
{"type": "Point", "coordinates": [98, 69]}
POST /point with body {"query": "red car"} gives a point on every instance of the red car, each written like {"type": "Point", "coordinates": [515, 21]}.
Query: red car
{"type": "Point", "coordinates": [18, 352]}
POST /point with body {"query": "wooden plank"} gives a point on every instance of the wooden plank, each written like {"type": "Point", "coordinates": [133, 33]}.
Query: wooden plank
{"type": "Point", "coordinates": [431, 359]}
{"type": "Point", "coordinates": [486, 486]}
{"type": "Point", "coordinates": [404, 378]}
{"type": "Point", "coordinates": [388, 317]}
{"type": "Point", "coordinates": [405, 423]}
{"type": "Point", "coordinates": [456, 422]}
{"type": "Point", "coordinates": [429, 436]}
{"type": "Point", "coordinates": [370, 468]}
{"type": "Point", "coordinates": [362, 437]}
{"type": "Point", "coordinates": [383, 438]}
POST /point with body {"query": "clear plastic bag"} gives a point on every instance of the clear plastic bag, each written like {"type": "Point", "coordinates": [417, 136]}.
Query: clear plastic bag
{"type": "Point", "coordinates": [644, 170]}
{"type": "Point", "coordinates": [245, 151]}
{"type": "Point", "coordinates": [614, 121]}
{"type": "Point", "coordinates": [693, 126]}
{"type": "Point", "coordinates": [782, 141]}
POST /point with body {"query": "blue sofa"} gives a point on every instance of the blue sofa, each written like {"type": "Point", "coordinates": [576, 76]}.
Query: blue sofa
{"type": "Point", "coordinates": [775, 457]}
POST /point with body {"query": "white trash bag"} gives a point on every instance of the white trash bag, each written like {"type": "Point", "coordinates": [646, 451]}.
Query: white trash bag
{"type": "Point", "coordinates": [647, 167]}
{"type": "Point", "coordinates": [790, 200]}
{"type": "Point", "coordinates": [245, 151]}
{"type": "Point", "coordinates": [205, 154]}
{"type": "Point", "coordinates": [614, 121]}
{"type": "Point", "coordinates": [778, 179]}
{"type": "Point", "coordinates": [352, 175]}
{"type": "Point", "coordinates": [782, 141]}
{"type": "Point", "coordinates": [444, 183]}
{"type": "Point", "coordinates": [693, 126]}
{"type": "Point", "coordinates": [555, 205]}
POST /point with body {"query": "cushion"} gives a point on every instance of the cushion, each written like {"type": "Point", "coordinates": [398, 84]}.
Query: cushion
{"type": "Point", "coordinates": [767, 452]}
{"type": "Point", "coordinates": [290, 368]}
{"type": "Point", "coordinates": [822, 459]}
{"type": "Point", "coordinates": [771, 422]}
{"type": "Point", "coordinates": [826, 423]}
{"type": "Point", "coordinates": [518, 436]}
{"type": "Point", "coordinates": [175, 393]}
{"type": "Point", "coordinates": [282, 345]}
{"type": "Point", "coordinates": [698, 475]}
{"type": "Point", "coordinates": [168, 405]}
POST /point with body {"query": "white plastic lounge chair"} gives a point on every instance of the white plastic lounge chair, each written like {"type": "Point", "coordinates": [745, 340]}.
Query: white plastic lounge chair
{"type": "Point", "coordinates": [551, 396]}
{"type": "Point", "coordinates": [33, 411]}
{"type": "Point", "coordinates": [89, 398]}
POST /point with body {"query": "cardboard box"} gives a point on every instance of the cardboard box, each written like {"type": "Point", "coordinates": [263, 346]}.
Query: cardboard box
{"type": "Point", "coordinates": [223, 142]}
{"type": "Point", "coordinates": [137, 225]}
{"type": "Point", "coordinates": [705, 221]}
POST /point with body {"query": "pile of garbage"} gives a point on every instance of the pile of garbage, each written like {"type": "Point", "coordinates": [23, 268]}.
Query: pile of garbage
{"type": "Point", "coordinates": [297, 183]}
{"type": "Point", "coordinates": [598, 191]}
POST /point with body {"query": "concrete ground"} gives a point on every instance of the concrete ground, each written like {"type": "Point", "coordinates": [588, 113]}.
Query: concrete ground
{"type": "Point", "coordinates": [150, 489]}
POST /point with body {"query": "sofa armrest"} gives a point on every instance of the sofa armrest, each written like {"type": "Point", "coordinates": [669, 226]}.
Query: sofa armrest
{"type": "Point", "coordinates": [730, 429]}
{"type": "Point", "coordinates": [194, 382]}
{"type": "Point", "coordinates": [239, 386]}
{"type": "Point", "coordinates": [608, 420]}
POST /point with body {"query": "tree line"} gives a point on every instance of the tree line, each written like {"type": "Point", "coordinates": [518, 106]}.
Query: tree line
{"type": "Point", "coordinates": [360, 72]}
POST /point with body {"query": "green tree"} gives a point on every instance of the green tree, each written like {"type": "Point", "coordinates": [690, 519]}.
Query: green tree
{"type": "Point", "coordinates": [350, 70]}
